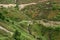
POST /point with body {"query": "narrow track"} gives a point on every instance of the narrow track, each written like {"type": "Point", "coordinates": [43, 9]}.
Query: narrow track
{"type": "Point", "coordinates": [5, 30]}
{"type": "Point", "coordinates": [21, 6]}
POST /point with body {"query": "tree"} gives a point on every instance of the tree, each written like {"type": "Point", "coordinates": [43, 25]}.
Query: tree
{"type": "Point", "coordinates": [29, 29]}
{"type": "Point", "coordinates": [1, 16]}
{"type": "Point", "coordinates": [17, 4]}
{"type": "Point", "coordinates": [17, 35]}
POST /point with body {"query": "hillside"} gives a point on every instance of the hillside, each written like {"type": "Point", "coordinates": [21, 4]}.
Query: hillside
{"type": "Point", "coordinates": [39, 21]}
{"type": "Point", "coordinates": [43, 10]}
{"type": "Point", "coordinates": [19, 1]}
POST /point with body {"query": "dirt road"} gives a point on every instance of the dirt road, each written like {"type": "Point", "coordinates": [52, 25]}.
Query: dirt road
{"type": "Point", "coordinates": [20, 6]}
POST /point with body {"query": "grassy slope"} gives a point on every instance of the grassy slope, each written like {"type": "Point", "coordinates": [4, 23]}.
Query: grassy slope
{"type": "Point", "coordinates": [7, 22]}
{"type": "Point", "coordinates": [43, 11]}
{"type": "Point", "coordinates": [11, 23]}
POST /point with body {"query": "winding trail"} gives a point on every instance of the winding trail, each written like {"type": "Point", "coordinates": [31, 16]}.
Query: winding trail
{"type": "Point", "coordinates": [21, 6]}
{"type": "Point", "coordinates": [13, 5]}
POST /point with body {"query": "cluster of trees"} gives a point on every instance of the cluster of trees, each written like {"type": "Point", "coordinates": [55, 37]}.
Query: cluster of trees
{"type": "Point", "coordinates": [16, 35]}
{"type": "Point", "coordinates": [2, 13]}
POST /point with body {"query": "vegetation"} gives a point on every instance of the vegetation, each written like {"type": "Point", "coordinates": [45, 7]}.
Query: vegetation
{"type": "Point", "coordinates": [45, 10]}
{"type": "Point", "coordinates": [22, 25]}
{"type": "Point", "coordinates": [19, 1]}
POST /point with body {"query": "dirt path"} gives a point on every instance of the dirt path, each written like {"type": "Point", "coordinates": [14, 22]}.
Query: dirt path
{"type": "Point", "coordinates": [50, 23]}
{"type": "Point", "coordinates": [47, 24]}
{"type": "Point", "coordinates": [13, 5]}
{"type": "Point", "coordinates": [20, 6]}
{"type": "Point", "coordinates": [5, 30]}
